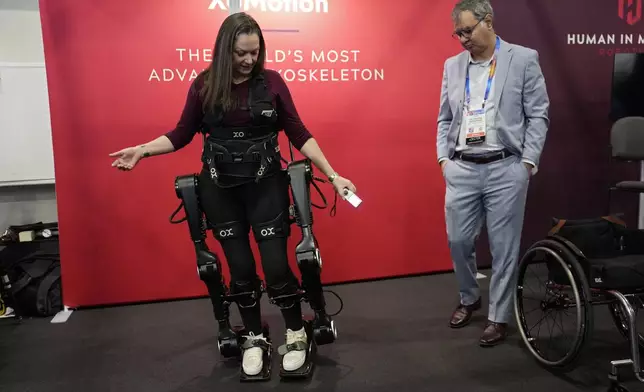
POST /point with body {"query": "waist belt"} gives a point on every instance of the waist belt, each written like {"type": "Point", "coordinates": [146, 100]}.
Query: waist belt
{"type": "Point", "coordinates": [484, 158]}
{"type": "Point", "coordinates": [241, 158]}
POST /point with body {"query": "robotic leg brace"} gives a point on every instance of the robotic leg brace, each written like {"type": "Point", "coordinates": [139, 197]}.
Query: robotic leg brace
{"type": "Point", "coordinates": [321, 330]}
{"type": "Point", "coordinates": [230, 340]}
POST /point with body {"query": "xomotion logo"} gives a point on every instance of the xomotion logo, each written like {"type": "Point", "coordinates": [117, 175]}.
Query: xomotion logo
{"type": "Point", "coordinates": [304, 6]}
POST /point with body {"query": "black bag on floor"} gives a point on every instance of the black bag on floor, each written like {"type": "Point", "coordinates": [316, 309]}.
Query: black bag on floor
{"type": "Point", "coordinates": [36, 284]}
{"type": "Point", "coordinates": [38, 292]}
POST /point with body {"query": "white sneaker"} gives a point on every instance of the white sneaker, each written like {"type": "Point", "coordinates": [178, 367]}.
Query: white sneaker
{"type": "Point", "coordinates": [253, 358]}
{"type": "Point", "coordinates": [293, 360]}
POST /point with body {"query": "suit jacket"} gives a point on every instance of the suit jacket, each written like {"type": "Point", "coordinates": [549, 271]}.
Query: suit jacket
{"type": "Point", "coordinates": [521, 102]}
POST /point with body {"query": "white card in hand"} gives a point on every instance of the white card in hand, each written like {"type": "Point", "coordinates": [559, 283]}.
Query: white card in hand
{"type": "Point", "coordinates": [352, 198]}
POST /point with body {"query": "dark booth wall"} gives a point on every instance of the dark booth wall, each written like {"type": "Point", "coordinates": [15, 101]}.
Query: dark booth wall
{"type": "Point", "coordinates": [576, 40]}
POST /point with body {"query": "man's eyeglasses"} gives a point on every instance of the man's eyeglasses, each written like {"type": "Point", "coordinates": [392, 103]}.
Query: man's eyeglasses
{"type": "Point", "coordinates": [466, 32]}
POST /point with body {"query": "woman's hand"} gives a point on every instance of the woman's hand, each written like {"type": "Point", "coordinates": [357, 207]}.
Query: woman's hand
{"type": "Point", "coordinates": [127, 158]}
{"type": "Point", "coordinates": [340, 184]}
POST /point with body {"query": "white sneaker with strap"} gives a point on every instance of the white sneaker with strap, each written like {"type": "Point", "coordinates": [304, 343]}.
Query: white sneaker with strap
{"type": "Point", "coordinates": [294, 352]}
{"type": "Point", "coordinates": [253, 357]}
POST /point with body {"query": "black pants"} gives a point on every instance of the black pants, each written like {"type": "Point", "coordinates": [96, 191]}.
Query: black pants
{"type": "Point", "coordinates": [243, 208]}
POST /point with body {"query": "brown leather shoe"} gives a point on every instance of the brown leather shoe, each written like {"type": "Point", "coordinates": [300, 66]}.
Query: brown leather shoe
{"type": "Point", "coordinates": [463, 314]}
{"type": "Point", "coordinates": [493, 334]}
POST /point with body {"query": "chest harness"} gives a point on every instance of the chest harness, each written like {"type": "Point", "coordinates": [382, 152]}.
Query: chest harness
{"type": "Point", "coordinates": [249, 152]}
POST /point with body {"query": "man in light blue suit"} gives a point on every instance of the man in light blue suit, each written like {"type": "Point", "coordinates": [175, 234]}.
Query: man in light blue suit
{"type": "Point", "coordinates": [492, 127]}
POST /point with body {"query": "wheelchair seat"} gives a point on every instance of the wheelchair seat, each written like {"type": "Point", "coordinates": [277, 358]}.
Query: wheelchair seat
{"type": "Point", "coordinates": [621, 273]}
{"type": "Point", "coordinates": [610, 254]}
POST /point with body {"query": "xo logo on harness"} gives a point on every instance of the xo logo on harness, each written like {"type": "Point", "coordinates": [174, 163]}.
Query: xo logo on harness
{"type": "Point", "coordinates": [238, 134]}
{"type": "Point", "coordinates": [226, 233]}
{"type": "Point", "coordinates": [213, 171]}
{"type": "Point", "coordinates": [268, 231]}
{"type": "Point", "coordinates": [261, 170]}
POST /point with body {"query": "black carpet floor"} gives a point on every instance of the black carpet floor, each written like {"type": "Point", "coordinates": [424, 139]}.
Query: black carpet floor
{"type": "Point", "coordinates": [392, 336]}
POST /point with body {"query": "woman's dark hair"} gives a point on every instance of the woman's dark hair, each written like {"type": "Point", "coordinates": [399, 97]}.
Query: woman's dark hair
{"type": "Point", "coordinates": [216, 91]}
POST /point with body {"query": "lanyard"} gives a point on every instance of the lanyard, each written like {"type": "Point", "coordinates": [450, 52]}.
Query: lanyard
{"type": "Point", "coordinates": [489, 79]}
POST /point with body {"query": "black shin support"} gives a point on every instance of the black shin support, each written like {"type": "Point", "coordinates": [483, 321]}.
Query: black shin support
{"type": "Point", "coordinates": [230, 339]}
{"type": "Point", "coordinates": [285, 297]}
{"type": "Point", "coordinates": [248, 295]}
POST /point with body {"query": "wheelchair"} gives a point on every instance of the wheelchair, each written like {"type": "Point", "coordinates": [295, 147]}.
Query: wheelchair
{"type": "Point", "coordinates": [580, 264]}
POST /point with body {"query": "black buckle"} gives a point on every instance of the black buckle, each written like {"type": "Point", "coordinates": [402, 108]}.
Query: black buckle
{"type": "Point", "coordinates": [237, 157]}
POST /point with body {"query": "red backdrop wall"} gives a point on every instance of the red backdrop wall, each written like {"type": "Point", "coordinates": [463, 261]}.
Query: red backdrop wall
{"type": "Point", "coordinates": [118, 74]}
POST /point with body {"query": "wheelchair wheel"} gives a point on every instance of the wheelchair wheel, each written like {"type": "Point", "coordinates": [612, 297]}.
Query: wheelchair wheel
{"type": "Point", "coordinates": [550, 266]}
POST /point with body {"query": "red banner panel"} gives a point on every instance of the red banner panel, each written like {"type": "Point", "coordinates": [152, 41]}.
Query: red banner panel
{"type": "Point", "coordinates": [365, 76]}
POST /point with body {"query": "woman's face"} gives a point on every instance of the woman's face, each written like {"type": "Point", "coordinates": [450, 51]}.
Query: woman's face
{"type": "Point", "coordinates": [245, 53]}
